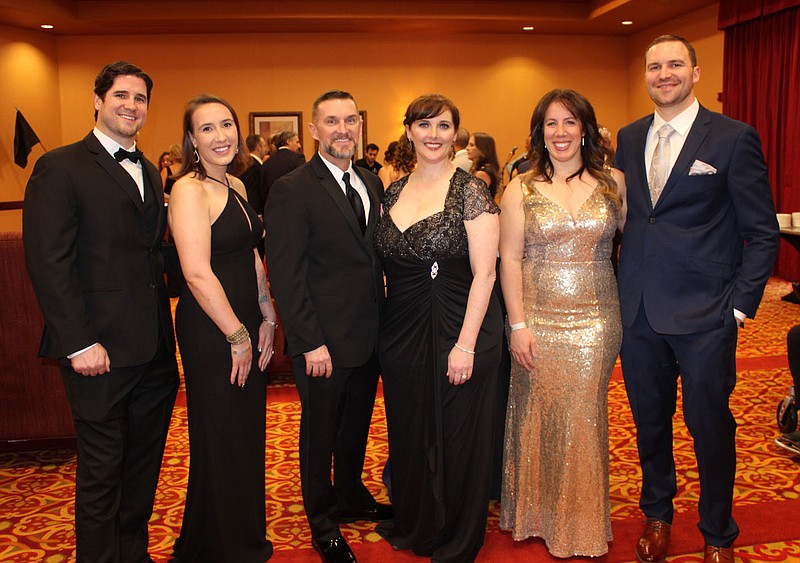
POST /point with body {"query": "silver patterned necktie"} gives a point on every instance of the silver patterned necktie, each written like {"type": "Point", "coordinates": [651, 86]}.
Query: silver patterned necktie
{"type": "Point", "coordinates": [659, 166]}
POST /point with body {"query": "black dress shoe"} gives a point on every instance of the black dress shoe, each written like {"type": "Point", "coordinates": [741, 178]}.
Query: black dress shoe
{"type": "Point", "coordinates": [334, 551]}
{"type": "Point", "coordinates": [378, 513]}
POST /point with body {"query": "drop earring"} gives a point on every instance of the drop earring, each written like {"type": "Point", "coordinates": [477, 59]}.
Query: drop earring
{"type": "Point", "coordinates": [583, 140]}
{"type": "Point", "coordinates": [196, 156]}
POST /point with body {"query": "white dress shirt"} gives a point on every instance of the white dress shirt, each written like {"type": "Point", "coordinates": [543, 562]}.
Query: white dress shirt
{"type": "Point", "coordinates": [355, 181]}
{"type": "Point", "coordinates": [133, 168]}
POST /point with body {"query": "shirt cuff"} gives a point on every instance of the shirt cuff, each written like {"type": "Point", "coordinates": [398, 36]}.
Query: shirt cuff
{"type": "Point", "coordinates": [79, 352]}
{"type": "Point", "coordinates": [740, 317]}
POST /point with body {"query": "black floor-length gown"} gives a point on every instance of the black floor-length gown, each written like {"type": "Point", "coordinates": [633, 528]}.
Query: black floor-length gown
{"type": "Point", "coordinates": [440, 435]}
{"type": "Point", "coordinates": [225, 516]}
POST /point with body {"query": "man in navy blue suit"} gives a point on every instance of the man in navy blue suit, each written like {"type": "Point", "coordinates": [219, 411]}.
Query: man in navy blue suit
{"type": "Point", "coordinates": [699, 245]}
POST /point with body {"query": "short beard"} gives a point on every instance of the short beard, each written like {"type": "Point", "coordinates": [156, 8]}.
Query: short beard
{"type": "Point", "coordinates": [341, 155]}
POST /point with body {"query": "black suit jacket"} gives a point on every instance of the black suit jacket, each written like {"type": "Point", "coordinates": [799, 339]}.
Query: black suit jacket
{"type": "Point", "coordinates": [326, 279]}
{"type": "Point", "coordinates": [94, 259]}
{"type": "Point", "coordinates": [280, 163]}
{"type": "Point", "coordinates": [709, 244]}
{"type": "Point", "coordinates": [251, 178]}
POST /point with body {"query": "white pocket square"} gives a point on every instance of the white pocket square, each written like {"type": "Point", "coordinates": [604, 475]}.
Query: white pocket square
{"type": "Point", "coordinates": [700, 168]}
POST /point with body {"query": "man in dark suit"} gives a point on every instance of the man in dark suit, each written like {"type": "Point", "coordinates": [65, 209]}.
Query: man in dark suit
{"type": "Point", "coordinates": [328, 286]}
{"type": "Point", "coordinates": [251, 177]}
{"type": "Point", "coordinates": [93, 225]}
{"type": "Point", "coordinates": [699, 244]}
{"type": "Point", "coordinates": [286, 158]}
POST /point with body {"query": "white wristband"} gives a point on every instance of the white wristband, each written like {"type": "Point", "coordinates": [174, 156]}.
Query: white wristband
{"type": "Point", "coordinates": [518, 326]}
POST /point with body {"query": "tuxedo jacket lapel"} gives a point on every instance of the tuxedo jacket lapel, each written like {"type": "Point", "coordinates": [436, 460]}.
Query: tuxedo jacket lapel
{"type": "Point", "coordinates": [639, 167]}
{"type": "Point", "coordinates": [332, 188]}
{"type": "Point", "coordinates": [694, 139]}
{"type": "Point", "coordinates": [120, 176]}
{"type": "Point", "coordinates": [374, 203]}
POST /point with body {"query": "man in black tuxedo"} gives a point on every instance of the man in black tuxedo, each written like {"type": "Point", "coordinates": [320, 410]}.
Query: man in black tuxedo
{"type": "Point", "coordinates": [699, 245]}
{"type": "Point", "coordinates": [286, 158]}
{"type": "Point", "coordinates": [328, 286]}
{"type": "Point", "coordinates": [251, 177]}
{"type": "Point", "coordinates": [93, 225]}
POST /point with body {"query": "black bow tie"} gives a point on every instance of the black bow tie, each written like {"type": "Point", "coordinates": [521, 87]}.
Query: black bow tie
{"type": "Point", "coordinates": [133, 156]}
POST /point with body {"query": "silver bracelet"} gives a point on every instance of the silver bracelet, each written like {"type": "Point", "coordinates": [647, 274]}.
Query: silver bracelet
{"type": "Point", "coordinates": [269, 322]}
{"type": "Point", "coordinates": [464, 349]}
{"type": "Point", "coordinates": [519, 326]}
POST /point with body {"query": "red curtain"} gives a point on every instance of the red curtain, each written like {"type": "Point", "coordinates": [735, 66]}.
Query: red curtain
{"type": "Point", "coordinates": [760, 87]}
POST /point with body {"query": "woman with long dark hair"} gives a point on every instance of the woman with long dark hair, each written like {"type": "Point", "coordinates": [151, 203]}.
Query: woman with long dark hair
{"type": "Point", "coordinates": [557, 225]}
{"type": "Point", "coordinates": [225, 326]}
{"type": "Point", "coordinates": [482, 152]}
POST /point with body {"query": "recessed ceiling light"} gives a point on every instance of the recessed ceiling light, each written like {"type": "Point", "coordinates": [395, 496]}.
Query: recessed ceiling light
{"type": "Point", "coordinates": [46, 26]}
{"type": "Point", "coordinates": [527, 28]}
{"type": "Point", "coordinates": [627, 22]}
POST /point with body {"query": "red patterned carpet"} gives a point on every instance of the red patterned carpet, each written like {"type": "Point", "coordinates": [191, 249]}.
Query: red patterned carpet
{"type": "Point", "coordinates": [36, 488]}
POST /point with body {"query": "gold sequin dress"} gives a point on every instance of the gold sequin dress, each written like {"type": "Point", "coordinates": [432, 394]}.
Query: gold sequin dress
{"type": "Point", "coordinates": [555, 483]}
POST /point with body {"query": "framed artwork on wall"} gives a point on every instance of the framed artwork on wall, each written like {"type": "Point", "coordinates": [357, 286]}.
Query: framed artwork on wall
{"type": "Point", "coordinates": [269, 123]}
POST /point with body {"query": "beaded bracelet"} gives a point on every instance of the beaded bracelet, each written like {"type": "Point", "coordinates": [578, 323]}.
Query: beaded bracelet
{"type": "Point", "coordinates": [465, 350]}
{"type": "Point", "coordinates": [239, 336]}
{"type": "Point", "coordinates": [269, 322]}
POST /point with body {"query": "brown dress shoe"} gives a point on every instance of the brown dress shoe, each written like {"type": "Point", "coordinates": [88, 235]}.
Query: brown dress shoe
{"type": "Point", "coordinates": [714, 554]}
{"type": "Point", "coordinates": [653, 545]}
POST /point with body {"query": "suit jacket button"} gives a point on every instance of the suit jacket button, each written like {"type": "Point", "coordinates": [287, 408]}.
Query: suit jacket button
{"type": "Point", "coordinates": [652, 220]}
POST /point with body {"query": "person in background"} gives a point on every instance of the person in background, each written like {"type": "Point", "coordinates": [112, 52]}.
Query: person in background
{"type": "Point", "coordinates": [284, 159]}
{"type": "Point", "coordinates": [460, 157]}
{"type": "Point", "coordinates": [225, 324]}
{"type": "Point", "coordinates": [93, 225]}
{"type": "Point", "coordinates": [164, 160]}
{"type": "Point", "coordinates": [439, 343]}
{"type": "Point", "coordinates": [168, 173]}
{"type": "Point", "coordinates": [402, 162]}
{"type": "Point", "coordinates": [483, 154]}
{"type": "Point", "coordinates": [699, 245]}
{"type": "Point", "coordinates": [556, 228]}
{"type": "Point", "coordinates": [251, 177]}
{"type": "Point", "coordinates": [369, 162]}
{"type": "Point", "coordinates": [328, 288]}
{"type": "Point", "coordinates": [522, 163]}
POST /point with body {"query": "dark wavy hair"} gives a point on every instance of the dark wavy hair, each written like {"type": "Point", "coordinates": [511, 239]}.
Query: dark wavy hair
{"type": "Point", "coordinates": [431, 105]}
{"type": "Point", "coordinates": [241, 160]}
{"type": "Point", "coordinates": [593, 152]}
{"type": "Point", "coordinates": [106, 77]}
{"type": "Point", "coordinates": [487, 159]}
{"type": "Point", "coordinates": [404, 158]}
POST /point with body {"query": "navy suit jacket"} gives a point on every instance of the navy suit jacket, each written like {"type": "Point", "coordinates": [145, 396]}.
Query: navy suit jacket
{"type": "Point", "coordinates": [709, 244]}
{"type": "Point", "coordinates": [94, 258]}
{"type": "Point", "coordinates": [326, 279]}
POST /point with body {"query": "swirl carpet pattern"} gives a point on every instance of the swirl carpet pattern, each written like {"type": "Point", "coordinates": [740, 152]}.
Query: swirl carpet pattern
{"type": "Point", "coordinates": [36, 488]}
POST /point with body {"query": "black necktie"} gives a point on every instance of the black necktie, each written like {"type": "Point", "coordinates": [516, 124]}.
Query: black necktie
{"type": "Point", "coordinates": [355, 202]}
{"type": "Point", "coordinates": [133, 156]}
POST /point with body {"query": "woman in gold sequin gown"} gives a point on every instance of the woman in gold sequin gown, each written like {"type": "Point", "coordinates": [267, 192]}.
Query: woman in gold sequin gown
{"type": "Point", "coordinates": [557, 224]}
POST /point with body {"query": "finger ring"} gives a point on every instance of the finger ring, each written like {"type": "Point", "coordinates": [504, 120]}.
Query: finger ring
{"type": "Point", "coordinates": [463, 376]}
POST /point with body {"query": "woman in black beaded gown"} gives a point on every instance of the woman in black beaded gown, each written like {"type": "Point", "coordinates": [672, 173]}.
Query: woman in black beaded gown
{"type": "Point", "coordinates": [439, 343]}
{"type": "Point", "coordinates": [225, 300]}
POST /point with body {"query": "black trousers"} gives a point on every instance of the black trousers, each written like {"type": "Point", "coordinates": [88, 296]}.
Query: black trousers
{"type": "Point", "coordinates": [706, 363]}
{"type": "Point", "coordinates": [334, 426]}
{"type": "Point", "coordinates": [121, 420]}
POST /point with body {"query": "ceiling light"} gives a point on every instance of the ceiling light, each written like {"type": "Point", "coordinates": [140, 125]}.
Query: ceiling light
{"type": "Point", "coordinates": [627, 22]}
{"type": "Point", "coordinates": [527, 28]}
{"type": "Point", "coordinates": [46, 26]}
